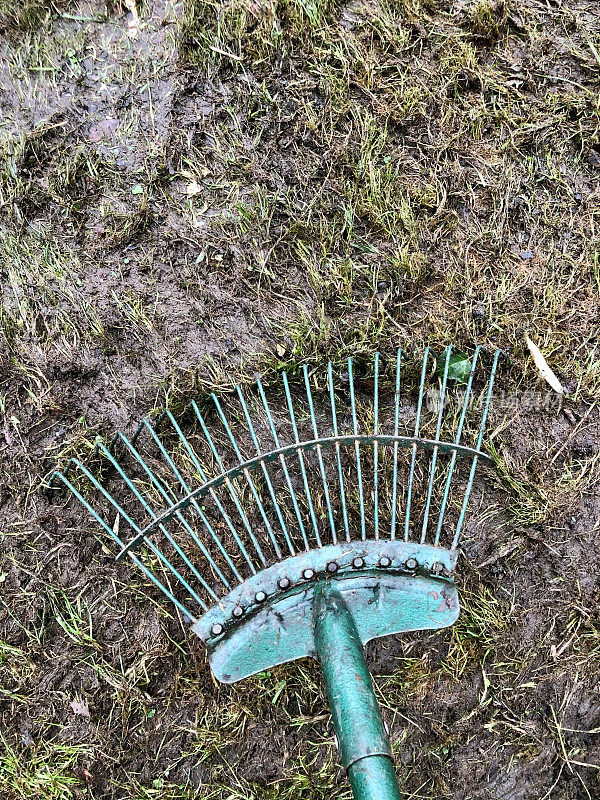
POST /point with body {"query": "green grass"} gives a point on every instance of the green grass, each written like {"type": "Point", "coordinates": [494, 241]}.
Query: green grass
{"type": "Point", "coordinates": [45, 770]}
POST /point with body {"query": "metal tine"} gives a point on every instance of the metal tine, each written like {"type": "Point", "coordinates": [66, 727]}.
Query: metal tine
{"type": "Point", "coordinates": [66, 482]}
{"type": "Point", "coordinates": [265, 473]}
{"type": "Point", "coordinates": [157, 423]}
{"type": "Point", "coordinates": [319, 455]}
{"type": "Point", "coordinates": [396, 433]}
{"type": "Point", "coordinates": [137, 431]}
{"type": "Point", "coordinates": [192, 454]}
{"type": "Point", "coordinates": [288, 399]}
{"type": "Point", "coordinates": [484, 414]}
{"type": "Point", "coordinates": [376, 445]}
{"type": "Point", "coordinates": [213, 494]}
{"type": "Point", "coordinates": [134, 436]}
{"type": "Point", "coordinates": [457, 439]}
{"type": "Point", "coordinates": [60, 475]}
{"type": "Point", "coordinates": [120, 510]}
{"type": "Point", "coordinates": [133, 557]}
{"type": "Point", "coordinates": [70, 465]}
{"type": "Point", "coordinates": [413, 458]}
{"type": "Point", "coordinates": [240, 458]}
{"type": "Point", "coordinates": [172, 498]}
{"type": "Point", "coordinates": [283, 463]}
{"type": "Point", "coordinates": [363, 530]}
{"type": "Point", "coordinates": [228, 483]}
{"type": "Point", "coordinates": [337, 450]}
{"type": "Point", "coordinates": [162, 528]}
{"type": "Point", "coordinates": [434, 454]}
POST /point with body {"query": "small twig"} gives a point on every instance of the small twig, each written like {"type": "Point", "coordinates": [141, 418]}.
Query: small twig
{"type": "Point", "coordinates": [225, 53]}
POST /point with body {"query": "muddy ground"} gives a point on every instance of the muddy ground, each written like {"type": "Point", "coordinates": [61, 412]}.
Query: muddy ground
{"type": "Point", "coordinates": [190, 194]}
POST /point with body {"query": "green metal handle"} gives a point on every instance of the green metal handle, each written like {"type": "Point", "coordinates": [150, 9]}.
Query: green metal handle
{"type": "Point", "coordinates": [364, 745]}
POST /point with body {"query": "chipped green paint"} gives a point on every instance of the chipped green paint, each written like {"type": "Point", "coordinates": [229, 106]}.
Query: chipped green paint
{"type": "Point", "coordinates": [381, 600]}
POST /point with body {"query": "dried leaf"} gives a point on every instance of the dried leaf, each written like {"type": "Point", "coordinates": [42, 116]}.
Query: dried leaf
{"type": "Point", "coordinates": [193, 188]}
{"type": "Point", "coordinates": [89, 778]}
{"type": "Point", "coordinates": [80, 706]}
{"type": "Point", "coordinates": [543, 367]}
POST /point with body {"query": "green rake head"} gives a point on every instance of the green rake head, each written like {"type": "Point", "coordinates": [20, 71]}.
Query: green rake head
{"type": "Point", "coordinates": [329, 513]}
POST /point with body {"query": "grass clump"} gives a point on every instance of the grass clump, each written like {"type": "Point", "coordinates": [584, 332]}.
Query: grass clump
{"type": "Point", "coordinates": [46, 770]}
{"type": "Point", "coordinates": [19, 16]}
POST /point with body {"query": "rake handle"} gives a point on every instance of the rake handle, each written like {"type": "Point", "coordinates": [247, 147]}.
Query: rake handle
{"type": "Point", "coordinates": [363, 742]}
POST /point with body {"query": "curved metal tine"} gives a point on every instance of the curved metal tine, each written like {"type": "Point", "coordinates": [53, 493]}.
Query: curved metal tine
{"type": "Point", "coordinates": [58, 474]}
{"type": "Point", "coordinates": [484, 414]}
{"type": "Point", "coordinates": [320, 455]}
{"type": "Point", "coordinates": [363, 530]}
{"type": "Point", "coordinates": [413, 458]}
{"type": "Point", "coordinates": [134, 435]}
{"type": "Point", "coordinates": [134, 558]}
{"type": "Point", "coordinates": [265, 473]}
{"type": "Point", "coordinates": [376, 445]}
{"type": "Point", "coordinates": [434, 454]}
{"type": "Point", "coordinates": [230, 487]}
{"type": "Point", "coordinates": [133, 450]}
{"type": "Point", "coordinates": [120, 510]}
{"type": "Point", "coordinates": [213, 494]}
{"type": "Point", "coordinates": [457, 438]}
{"type": "Point", "coordinates": [229, 483]}
{"type": "Point", "coordinates": [92, 511]}
{"type": "Point", "coordinates": [195, 505]}
{"type": "Point", "coordinates": [162, 528]}
{"type": "Point", "coordinates": [288, 399]}
{"type": "Point", "coordinates": [283, 464]}
{"type": "Point", "coordinates": [396, 431]}
{"type": "Point", "coordinates": [337, 450]}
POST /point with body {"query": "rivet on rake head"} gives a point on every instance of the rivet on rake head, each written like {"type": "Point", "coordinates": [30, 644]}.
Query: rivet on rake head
{"type": "Point", "coordinates": [411, 563]}
{"type": "Point", "coordinates": [358, 563]}
{"type": "Point", "coordinates": [237, 611]}
{"type": "Point", "coordinates": [332, 567]}
{"type": "Point", "coordinates": [437, 567]}
{"type": "Point", "coordinates": [217, 629]}
{"type": "Point", "coordinates": [283, 583]}
{"type": "Point", "coordinates": [308, 574]}
{"type": "Point", "coordinates": [260, 597]}
{"type": "Point", "coordinates": [384, 561]}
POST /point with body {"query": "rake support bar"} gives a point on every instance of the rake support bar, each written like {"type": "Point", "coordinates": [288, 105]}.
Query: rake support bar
{"type": "Point", "coordinates": [363, 742]}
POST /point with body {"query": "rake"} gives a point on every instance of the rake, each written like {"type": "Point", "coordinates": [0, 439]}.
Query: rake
{"type": "Point", "coordinates": [305, 523]}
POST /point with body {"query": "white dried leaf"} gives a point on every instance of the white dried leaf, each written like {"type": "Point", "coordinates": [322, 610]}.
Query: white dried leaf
{"type": "Point", "coordinates": [80, 707]}
{"type": "Point", "coordinates": [543, 367]}
{"type": "Point", "coordinates": [193, 188]}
